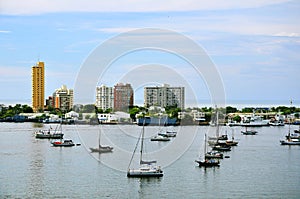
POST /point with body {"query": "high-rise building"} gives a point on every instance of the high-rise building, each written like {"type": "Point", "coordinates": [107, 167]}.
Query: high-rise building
{"type": "Point", "coordinates": [164, 96]}
{"type": "Point", "coordinates": [105, 97]}
{"type": "Point", "coordinates": [38, 86]}
{"type": "Point", "coordinates": [63, 98]}
{"type": "Point", "coordinates": [123, 97]}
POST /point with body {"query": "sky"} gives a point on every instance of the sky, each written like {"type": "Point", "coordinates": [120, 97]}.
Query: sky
{"type": "Point", "coordinates": [254, 46]}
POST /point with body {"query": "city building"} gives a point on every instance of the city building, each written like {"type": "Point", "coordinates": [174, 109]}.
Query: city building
{"type": "Point", "coordinates": [104, 97]}
{"type": "Point", "coordinates": [38, 86]}
{"type": "Point", "coordinates": [63, 98]}
{"type": "Point", "coordinates": [164, 96]}
{"type": "Point", "coordinates": [123, 97]}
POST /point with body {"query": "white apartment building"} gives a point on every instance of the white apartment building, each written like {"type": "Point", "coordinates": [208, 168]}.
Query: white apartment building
{"type": "Point", "coordinates": [63, 98]}
{"type": "Point", "coordinates": [164, 96]}
{"type": "Point", "coordinates": [105, 97]}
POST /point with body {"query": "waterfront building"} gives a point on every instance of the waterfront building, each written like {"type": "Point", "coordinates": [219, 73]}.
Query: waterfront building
{"type": "Point", "coordinates": [104, 97]}
{"type": "Point", "coordinates": [164, 96]}
{"type": "Point", "coordinates": [123, 97]}
{"type": "Point", "coordinates": [63, 98]}
{"type": "Point", "coordinates": [38, 86]}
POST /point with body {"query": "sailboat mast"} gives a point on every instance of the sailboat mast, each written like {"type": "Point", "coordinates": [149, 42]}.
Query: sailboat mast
{"type": "Point", "coordinates": [205, 141]}
{"type": "Point", "coordinates": [290, 119]}
{"type": "Point", "coordinates": [142, 142]}
{"type": "Point", "coordinates": [217, 122]}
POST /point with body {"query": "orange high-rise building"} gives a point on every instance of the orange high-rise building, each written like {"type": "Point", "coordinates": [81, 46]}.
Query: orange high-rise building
{"type": "Point", "coordinates": [38, 86]}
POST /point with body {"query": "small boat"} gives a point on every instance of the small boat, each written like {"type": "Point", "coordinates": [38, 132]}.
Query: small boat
{"type": "Point", "coordinates": [290, 142]}
{"type": "Point", "coordinates": [100, 148]}
{"type": "Point", "coordinates": [160, 138]}
{"type": "Point", "coordinates": [63, 143]}
{"type": "Point", "coordinates": [146, 168]}
{"type": "Point", "coordinates": [50, 133]}
{"type": "Point", "coordinates": [221, 148]}
{"type": "Point", "coordinates": [213, 155]}
{"type": "Point", "coordinates": [207, 162]}
{"type": "Point", "coordinates": [249, 132]}
{"type": "Point", "coordinates": [291, 138]}
{"type": "Point", "coordinates": [231, 143]}
{"type": "Point", "coordinates": [168, 134]}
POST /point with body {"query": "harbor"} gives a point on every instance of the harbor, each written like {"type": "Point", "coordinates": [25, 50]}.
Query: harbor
{"type": "Point", "coordinates": [259, 167]}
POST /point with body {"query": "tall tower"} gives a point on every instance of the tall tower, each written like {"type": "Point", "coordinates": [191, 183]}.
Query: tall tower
{"type": "Point", "coordinates": [38, 86]}
{"type": "Point", "coordinates": [105, 97]}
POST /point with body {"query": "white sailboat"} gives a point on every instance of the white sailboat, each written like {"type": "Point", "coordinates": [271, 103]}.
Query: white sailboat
{"type": "Point", "coordinates": [290, 139]}
{"type": "Point", "coordinates": [100, 148]}
{"type": "Point", "coordinates": [207, 161]}
{"type": "Point", "coordinates": [146, 168]}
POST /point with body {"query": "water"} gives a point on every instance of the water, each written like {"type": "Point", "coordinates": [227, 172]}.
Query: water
{"type": "Point", "coordinates": [259, 167]}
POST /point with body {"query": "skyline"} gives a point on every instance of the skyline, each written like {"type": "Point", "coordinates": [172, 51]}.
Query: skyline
{"type": "Point", "coordinates": [253, 45]}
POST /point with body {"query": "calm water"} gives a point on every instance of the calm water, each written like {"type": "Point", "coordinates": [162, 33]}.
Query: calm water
{"type": "Point", "coordinates": [258, 168]}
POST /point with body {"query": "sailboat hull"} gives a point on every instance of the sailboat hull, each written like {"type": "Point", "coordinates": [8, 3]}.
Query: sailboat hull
{"type": "Point", "coordinates": [208, 163]}
{"type": "Point", "coordinates": [144, 174]}
{"type": "Point", "coordinates": [101, 150]}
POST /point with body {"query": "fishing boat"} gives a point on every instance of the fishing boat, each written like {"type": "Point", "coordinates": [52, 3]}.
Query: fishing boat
{"type": "Point", "coordinates": [146, 168]}
{"type": "Point", "coordinates": [100, 148]}
{"type": "Point", "coordinates": [50, 133]}
{"type": "Point", "coordinates": [207, 162]}
{"type": "Point", "coordinates": [63, 143]}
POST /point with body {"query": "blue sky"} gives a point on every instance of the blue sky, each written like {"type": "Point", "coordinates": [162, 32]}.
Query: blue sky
{"type": "Point", "coordinates": [254, 45]}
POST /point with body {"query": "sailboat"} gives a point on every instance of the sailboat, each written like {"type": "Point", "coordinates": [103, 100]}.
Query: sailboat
{"type": "Point", "coordinates": [100, 148]}
{"type": "Point", "coordinates": [146, 168]}
{"type": "Point", "coordinates": [207, 162]}
{"type": "Point", "coordinates": [231, 142]}
{"type": "Point", "coordinates": [248, 132]}
{"type": "Point", "coordinates": [215, 140]}
{"type": "Point", "coordinates": [291, 139]}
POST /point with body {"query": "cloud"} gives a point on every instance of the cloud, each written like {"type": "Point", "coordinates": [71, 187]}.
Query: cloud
{"type": "Point", "coordinates": [287, 34]}
{"type": "Point", "coordinates": [32, 7]}
{"type": "Point", "coordinates": [5, 31]}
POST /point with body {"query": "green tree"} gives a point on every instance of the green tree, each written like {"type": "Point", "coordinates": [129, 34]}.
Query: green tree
{"type": "Point", "coordinates": [237, 118]}
{"type": "Point", "coordinates": [133, 111]}
{"type": "Point", "coordinates": [230, 109]}
{"type": "Point", "coordinates": [89, 108]}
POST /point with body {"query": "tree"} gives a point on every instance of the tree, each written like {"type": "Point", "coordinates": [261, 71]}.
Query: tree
{"type": "Point", "coordinates": [247, 110]}
{"type": "Point", "coordinates": [230, 109]}
{"type": "Point", "coordinates": [89, 108]}
{"type": "Point", "coordinates": [132, 112]}
{"type": "Point", "coordinates": [26, 109]}
{"type": "Point", "coordinates": [237, 118]}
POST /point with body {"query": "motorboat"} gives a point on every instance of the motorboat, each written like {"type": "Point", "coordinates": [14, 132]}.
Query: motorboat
{"type": "Point", "coordinates": [160, 138]}
{"type": "Point", "coordinates": [63, 143]}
